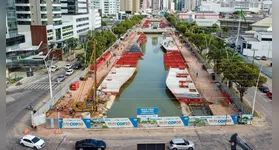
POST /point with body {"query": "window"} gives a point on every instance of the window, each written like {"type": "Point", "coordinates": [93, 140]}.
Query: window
{"type": "Point", "coordinates": [266, 39]}
{"type": "Point", "coordinates": [26, 140]}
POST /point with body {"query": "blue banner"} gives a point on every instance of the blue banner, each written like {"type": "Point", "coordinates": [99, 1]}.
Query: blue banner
{"type": "Point", "coordinates": [74, 123]}
{"type": "Point", "coordinates": [147, 112]}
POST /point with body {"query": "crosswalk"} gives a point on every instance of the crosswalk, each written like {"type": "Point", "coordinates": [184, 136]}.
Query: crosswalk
{"type": "Point", "coordinates": [38, 86]}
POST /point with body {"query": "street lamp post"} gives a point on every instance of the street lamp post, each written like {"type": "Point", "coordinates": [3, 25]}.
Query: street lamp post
{"type": "Point", "coordinates": [256, 89]}
{"type": "Point", "coordinates": [49, 72]}
{"type": "Point", "coordinates": [253, 54]}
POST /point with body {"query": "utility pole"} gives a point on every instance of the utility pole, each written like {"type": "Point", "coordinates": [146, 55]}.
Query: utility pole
{"type": "Point", "coordinates": [95, 78]}
{"type": "Point", "coordinates": [253, 54]}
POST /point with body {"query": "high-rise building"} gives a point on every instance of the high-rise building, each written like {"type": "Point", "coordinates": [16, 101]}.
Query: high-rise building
{"type": "Point", "coordinates": [131, 5]}
{"type": "Point", "coordinates": [73, 7]}
{"type": "Point", "coordinates": [143, 5]}
{"type": "Point", "coordinates": [38, 12]}
{"type": "Point", "coordinates": [155, 5]}
{"type": "Point", "coordinates": [12, 36]}
{"type": "Point", "coordinates": [108, 7]}
{"type": "Point", "coordinates": [178, 5]}
{"type": "Point", "coordinates": [136, 6]}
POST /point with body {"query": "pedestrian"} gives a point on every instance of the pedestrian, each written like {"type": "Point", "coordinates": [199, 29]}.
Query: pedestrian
{"type": "Point", "coordinates": [197, 74]}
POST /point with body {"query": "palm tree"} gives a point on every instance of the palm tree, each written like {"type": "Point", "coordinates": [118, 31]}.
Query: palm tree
{"type": "Point", "coordinates": [231, 59]}
{"type": "Point", "coordinates": [215, 54]}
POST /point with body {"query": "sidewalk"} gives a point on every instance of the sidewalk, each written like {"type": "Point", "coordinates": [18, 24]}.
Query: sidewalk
{"type": "Point", "coordinates": [204, 83]}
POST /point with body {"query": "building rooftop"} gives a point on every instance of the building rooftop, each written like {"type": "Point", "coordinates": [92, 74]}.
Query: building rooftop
{"type": "Point", "coordinates": [237, 20]}
{"type": "Point", "coordinates": [266, 22]}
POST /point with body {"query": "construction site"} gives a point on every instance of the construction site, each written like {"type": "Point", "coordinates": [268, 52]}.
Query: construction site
{"type": "Point", "coordinates": [137, 72]}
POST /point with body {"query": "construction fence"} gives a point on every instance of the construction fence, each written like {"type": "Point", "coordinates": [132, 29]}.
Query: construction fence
{"type": "Point", "coordinates": [180, 121]}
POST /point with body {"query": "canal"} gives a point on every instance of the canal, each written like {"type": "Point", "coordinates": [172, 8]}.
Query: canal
{"type": "Point", "coordinates": [147, 88]}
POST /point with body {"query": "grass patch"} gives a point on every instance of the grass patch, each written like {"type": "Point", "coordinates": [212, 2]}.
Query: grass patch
{"type": "Point", "coordinates": [256, 114]}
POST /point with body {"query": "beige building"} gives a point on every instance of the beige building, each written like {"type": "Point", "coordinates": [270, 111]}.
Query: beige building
{"type": "Point", "coordinates": [130, 5]}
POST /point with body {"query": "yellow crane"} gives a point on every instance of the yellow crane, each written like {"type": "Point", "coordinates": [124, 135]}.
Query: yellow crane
{"type": "Point", "coordinates": [87, 104]}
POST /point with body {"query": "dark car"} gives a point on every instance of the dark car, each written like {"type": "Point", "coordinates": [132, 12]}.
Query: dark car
{"type": "Point", "coordinates": [264, 89]}
{"type": "Point", "coordinates": [77, 66]}
{"type": "Point", "coordinates": [90, 144]}
{"type": "Point", "coordinates": [264, 58]}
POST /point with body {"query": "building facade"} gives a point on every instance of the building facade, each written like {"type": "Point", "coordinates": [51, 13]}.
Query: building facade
{"type": "Point", "coordinates": [73, 7]}
{"type": "Point", "coordinates": [108, 7]}
{"type": "Point", "coordinates": [38, 12]}
{"type": "Point", "coordinates": [155, 5]}
{"type": "Point", "coordinates": [12, 36]}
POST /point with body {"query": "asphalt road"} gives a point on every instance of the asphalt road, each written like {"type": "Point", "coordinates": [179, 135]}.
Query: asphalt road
{"type": "Point", "coordinates": [265, 70]}
{"type": "Point", "coordinates": [262, 103]}
{"type": "Point", "coordinates": [204, 139]}
{"type": "Point", "coordinates": [19, 98]}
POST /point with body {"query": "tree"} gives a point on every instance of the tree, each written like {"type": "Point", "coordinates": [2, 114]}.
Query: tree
{"type": "Point", "coordinates": [216, 52]}
{"type": "Point", "coordinates": [103, 23]}
{"type": "Point", "coordinates": [225, 29]}
{"type": "Point", "coordinates": [72, 43]}
{"type": "Point", "coordinates": [236, 12]}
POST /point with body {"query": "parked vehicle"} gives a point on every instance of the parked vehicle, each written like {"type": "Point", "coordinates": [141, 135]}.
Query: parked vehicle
{"type": "Point", "coordinates": [258, 57]}
{"type": "Point", "coordinates": [60, 78]}
{"type": "Point", "coordinates": [263, 58]}
{"type": "Point", "coordinates": [32, 141]}
{"type": "Point", "coordinates": [264, 89]}
{"type": "Point", "coordinates": [180, 143]}
{"type": "Point", "coordinates": [53, 68]}
{"type": "Point", "coordinates": [269, 95]}
{"type": "Point", "coordinates": [77, 66]}
{"type": "Point", "coordinates": [69, 72]}
{"type": "Point", "coordinates": [68, 66]}
{"type": "Point", "coordinates": [271, 64]}
{"type": "Point", "coordinates": [90, 144]}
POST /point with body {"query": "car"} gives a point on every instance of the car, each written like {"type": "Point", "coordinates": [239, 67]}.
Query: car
{"type": "Point", "coordinates": [77, 66]}
{"type": "Point", "coordinates": [264, 89]}
{"type": "Point", "coordinates": [60, 78]}
{"type": "Point", "coordinates": [269, 94]}
{"type": "Point", "coordinates": [69, 72]}
{"type": "Point", "coordinates": [68, 66]}
{"type": "Point", "coordinates": [258, 57]}
{"type": "Point", "coordinates": [263, 58]}
{"type": "Point", "coordinates": [32, 141]}
{"type": "Point", "coordinates": [90, 144]}
{"type": "Point", "coordinates": [53, 68]}
{"type": "Point", "coordinates": [180, 143]}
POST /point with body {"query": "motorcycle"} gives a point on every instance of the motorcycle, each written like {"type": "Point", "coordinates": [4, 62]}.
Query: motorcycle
{"type": "Point", "coordinates": [18, 83]}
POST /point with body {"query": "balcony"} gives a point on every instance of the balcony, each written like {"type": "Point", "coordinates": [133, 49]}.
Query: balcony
{"type": "Point", "coordinates": [43, 9]}
{"type": "Point", "coordinates": [57, 16]}
{"type": "Point", "coordinates": [56, 2]}
{"type": "Point", "coordinates": [22, 1]}
{"type": "Point", "coordinates": [57, 23]}
{"type": "Point", "coordinates": [56, 9]}
{"type": "Point", "coordinates": [43, 1]}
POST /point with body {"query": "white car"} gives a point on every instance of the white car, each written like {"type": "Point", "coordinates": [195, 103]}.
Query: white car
{"type": "Point", "coordinates": [69, 72]}
{"type": "Point", "coordinates": [53, 68]}
{"type": "Point", "coordinates": [68, 66]}
{"type": "Point", "coordinates": [32, 141]}
{"type": "Point", "coordinates": [180, 143]}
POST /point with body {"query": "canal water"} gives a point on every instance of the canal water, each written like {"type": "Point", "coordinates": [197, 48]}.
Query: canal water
{"type": "Point", "coordinates": [147, 88]}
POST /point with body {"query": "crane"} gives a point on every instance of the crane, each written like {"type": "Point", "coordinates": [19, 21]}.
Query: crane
{"type": "Point", "coordinates": [87, 104]}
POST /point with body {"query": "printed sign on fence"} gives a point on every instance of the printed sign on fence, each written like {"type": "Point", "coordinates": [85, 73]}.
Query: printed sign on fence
{"type": "Point", "coordinates": [211, 120]}
{"type": "Point", "coordinates": [74, 123]}
{"type": "Point", "coordinates": [163, 121]}
{"type": "Point", "coordinates": [147, 112]}
{"type": "Point", "coordinates": [244, 119]}
{"type": "Point", "coordinates": [114, 123]}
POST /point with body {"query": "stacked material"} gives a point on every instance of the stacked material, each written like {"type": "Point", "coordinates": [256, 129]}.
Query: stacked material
{"type": "Point", "coordinates": [115, 79]}
{"type": "Point", "coordinates": [174, 59]}
{"type": "Point", "coordinates": [129, 59]}
{"type": "Point", "coordinates": [101, 60]}
{"type": "Point", "coordinates": [181, 85]}
{"type": "Point", "coordinates": [142, 39]}
{"type": "Point", "coordinates": [146, 23]}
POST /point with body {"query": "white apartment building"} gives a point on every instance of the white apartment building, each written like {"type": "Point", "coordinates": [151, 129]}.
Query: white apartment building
{"type": "Point", "coordinates": [108, 7]}
{"type": "Point", "coordinates": [95, 19]}
{"type": "Point", "coordinates": [38, 12]}
{"type": "Point", "coordinates": [233, 5]}
{"type": "Point", "coordinates": [73, 7]}
{"type": "Point", "coordinates": [80, 23]}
